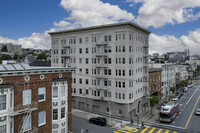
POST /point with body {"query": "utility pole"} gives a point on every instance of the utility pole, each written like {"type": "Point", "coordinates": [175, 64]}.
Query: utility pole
{"type": "Point", "coordinates": [109, 105]}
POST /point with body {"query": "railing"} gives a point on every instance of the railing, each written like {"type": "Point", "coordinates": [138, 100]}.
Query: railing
{"type": "Point", "coordinates": [21, 109]}
{"type": "Point", "coordinates": [101, 54]}
{"type": "Point", "coordinates": [101, 65]}
{"type": "Point", "coordinates": [65, 45]}
{"type": "Point", "coordinates": [101, 43]}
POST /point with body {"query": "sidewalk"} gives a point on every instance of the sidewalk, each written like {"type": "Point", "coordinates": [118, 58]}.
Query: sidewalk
{"type": "Point", "coordinates": [120, 124]}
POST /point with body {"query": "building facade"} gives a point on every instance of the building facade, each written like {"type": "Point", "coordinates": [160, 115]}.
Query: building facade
{"type": "Point", "coordinates": [155, 82]}
{"type": "Point", "coordinates": [35, 100]}
{"type": "Point", "coordinates": [168, 77]}
{"type": "Point", "coordinates": [12, 48]}
{"type": "Point", "coordinates": [112, 67]}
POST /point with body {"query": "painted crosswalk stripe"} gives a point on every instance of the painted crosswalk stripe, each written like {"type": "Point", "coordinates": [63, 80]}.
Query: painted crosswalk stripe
{"type": "Point", "coordinates": [159, 131]}
{"type": "Point", "coordinates": [152, 130]}
{"type": "Point", "coordinates": [145, 129]}
{"type": "Point", "coordinates": [123, 131]}
{"type": "Point", "coordinates": [167, 131]}
{"type": "Point", "coordinates": [115, 132]}
{"type": "Point", "coordinates": [133, 131]}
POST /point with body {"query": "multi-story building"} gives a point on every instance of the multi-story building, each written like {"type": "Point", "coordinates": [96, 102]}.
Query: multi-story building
{"type": "Point", "coordinates": [35, 100]}
{"type": "Point", "coordinates": [12, 48]}
{"type": "Point", "coordinates": [112, 67]}
{"type": "Point", "coordinates": [168, 78]}
{"type": "Point", "coordinates": [155, 82]}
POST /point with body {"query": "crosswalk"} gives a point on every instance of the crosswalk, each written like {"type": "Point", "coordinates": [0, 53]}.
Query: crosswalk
{"type": "Point", "coordinates": [144, 130]}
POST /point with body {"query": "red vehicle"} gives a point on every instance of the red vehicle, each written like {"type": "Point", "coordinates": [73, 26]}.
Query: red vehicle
{"type": "Point", "coordinates": [169, 112]}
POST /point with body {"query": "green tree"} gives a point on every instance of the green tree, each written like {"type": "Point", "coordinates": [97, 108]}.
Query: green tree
{"type": "Point", "coordinates": [183, 82]}
{"type": "Point", "coordinates": [4, 49]}
{"type": "Point", "coordinates": [153, 101]}
{"type": "Point", "coordinates": [42, 56]}
{"type": "Point", "coordinates": [15, 56]}
{"type": "Point", "coordinates": [6, 57]}
{"type": "Point", "coordinates": [173, 89]}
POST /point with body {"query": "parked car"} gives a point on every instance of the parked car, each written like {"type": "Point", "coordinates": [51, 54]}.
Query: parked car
{"type": "Point", "coordinates": [185, 89]}
{"type": "Point", "coordinates": [175, 99]}
{"type": "Point", "coordinates": [179, 95]}
{"type": "Point", "coordinates": [98, 121]}
{"type": "Point", "coordinates": [190, 85]}
{"type": "Point", "coordinates": [197, 111]}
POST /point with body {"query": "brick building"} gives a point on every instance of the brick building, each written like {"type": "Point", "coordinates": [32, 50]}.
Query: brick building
{"type": "Point", "coordinates": [155, 82]}
{"type": "Point", "coordinates": [35, 100]}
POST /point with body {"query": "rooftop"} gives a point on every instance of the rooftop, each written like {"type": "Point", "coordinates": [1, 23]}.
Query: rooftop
{"type": "Point", "coordinates": [100, 27]}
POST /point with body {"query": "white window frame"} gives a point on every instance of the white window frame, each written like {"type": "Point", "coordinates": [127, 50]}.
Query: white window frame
{"type": "Point", "coordinates": [42, 91]}
{"type": "Point", "coordinates": [30, 122]}
{"type": "Point", "coordinates": [54, 93]}
{"type": "Point", "coordinates": [63, 129]}
{"type": "Point", "coordinates": [63, 91]}
{"type": "Point", "coordinates": [3, 102]}
{"type": "Point", "coordinates": [64, 113]}
{"type": "Point", "coordinates": [57, 114]}
{"type": "Point", "coordinates": [54, 131]}
{"type": "Point", "coordinates": [3, 128]}
{"type": "Point", "coordinates": [44, 118]}
{"type": "Point", "coordinates": [27, 97]}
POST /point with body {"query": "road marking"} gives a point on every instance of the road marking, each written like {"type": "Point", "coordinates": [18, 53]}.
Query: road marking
{"type": "Point", "coordinates": [192, 95]}
{"type": "Point", "coordinates": [151, 131]}
{"type": "Point", "coordinates": [174, 132]}
{"type": "Point", "coordinates": [123, 131]}
{"type": "Point", "coordinates": [134, 131]}
{"type": "Point", "coordinates": [192, 113]}
{"type": "Point", "coordinates": [159, 131]}
{"type": "Point", "coordinates": [145, 129]}
{"type": "Point", "coordinates": [115, 132]}
{"type": "Point", "coordinates": [167, 131]}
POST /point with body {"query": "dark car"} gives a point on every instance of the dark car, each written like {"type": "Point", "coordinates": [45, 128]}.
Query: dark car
{"type": "Point", "coordinates": [197, 112]}
{"type": "Point", "coordinates": [98, 121]}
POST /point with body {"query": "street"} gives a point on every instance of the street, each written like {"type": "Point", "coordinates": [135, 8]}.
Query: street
{"type": "Point", "coordinates": [188, 104]}
{"type": "Point", "coordinates": [79, 123]}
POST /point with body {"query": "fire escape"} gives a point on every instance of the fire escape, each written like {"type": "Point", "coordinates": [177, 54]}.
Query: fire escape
{"type": "Point", "coordinates": [26, 111]}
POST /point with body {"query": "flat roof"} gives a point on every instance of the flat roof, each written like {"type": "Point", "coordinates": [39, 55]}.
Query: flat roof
{"type": "Point", "coordinates": [100, 27]}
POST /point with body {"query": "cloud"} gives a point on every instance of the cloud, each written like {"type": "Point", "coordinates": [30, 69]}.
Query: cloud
{"type": "Point", "coordinates": [158, 13]}
{"type": "Point", "coordinates": [81, 13]}
{"type": "Point", "coordinates": [167, 43]}
{"type": "Point", "coordinates": [36, 40]}
{"type": "Point", "coordinates": [94, 12]}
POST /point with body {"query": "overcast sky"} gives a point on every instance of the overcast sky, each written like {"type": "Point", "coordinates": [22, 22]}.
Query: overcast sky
{"type": "Point", "coordinates": [175, 24]}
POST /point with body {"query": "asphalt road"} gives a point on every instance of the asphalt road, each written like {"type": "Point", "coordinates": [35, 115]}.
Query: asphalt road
{"type": "Point", "coordinates": [80, 123]}
{"type": "Point", "coordinates": [188, 104]}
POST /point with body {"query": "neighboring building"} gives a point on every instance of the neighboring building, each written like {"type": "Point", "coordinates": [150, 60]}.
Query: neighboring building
{"type": "Point", "coordinates": [176, 57]}
{"type": "Point", "coordinates": [187, 52]}
{"type": "Point", "coordinates": [35, 100]}
{"type": "Point", "coordinates": [155, 82]}
{"type": "Point", "coordinates": [168, 78]}
{"type": "Point", "coordinates": [41, 63]}
{"type": "Point", "coordinates": [112, 67]}
{"type": "Point", "coordinates": [12, 47]}
{"type": "Point", "coordinates": [183, 73]}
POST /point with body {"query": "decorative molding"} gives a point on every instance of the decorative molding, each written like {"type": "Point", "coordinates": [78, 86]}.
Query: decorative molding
{"type": "Point", "coordinates": [3, 118]}
{"type": "Point", "coordinates": [60, 75]}
{"type": "Point", "coordinates": [1, 80]}
{"type": "Point", "coordinates": [63, 124]}
{"type": "Point", "coordinates": [42, 77]}
{"type": "Point", "coordinates": [27, 78]}
{"type": "Point", "coordinates": [63, 102]}
{"type": "Point", "coordinates": [55, 103]}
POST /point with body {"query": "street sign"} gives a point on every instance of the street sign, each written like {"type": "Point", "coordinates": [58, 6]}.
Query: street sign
{"type": "Point", "coordinates": [109, 104]}
{"type": "Point", "coordinates": [149, 97]}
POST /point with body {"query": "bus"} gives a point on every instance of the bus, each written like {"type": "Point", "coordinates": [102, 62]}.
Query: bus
{"type": "Point", "coordinates": [169, 112]}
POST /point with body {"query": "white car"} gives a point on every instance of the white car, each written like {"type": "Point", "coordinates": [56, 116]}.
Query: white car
{"type": "Point", "coordinates": [175, 99]}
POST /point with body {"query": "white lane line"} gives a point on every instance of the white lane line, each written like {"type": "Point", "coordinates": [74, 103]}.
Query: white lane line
{"type": "Point", "coordinates": [192, 96]}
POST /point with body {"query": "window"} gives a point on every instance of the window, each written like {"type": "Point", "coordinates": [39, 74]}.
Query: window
{"type": "Point", "coordinates": [27, 122]}
{"type": "Point", "coordinates": [41, 94]}
{"type": "Point", "coordinates": [63, 130]}
{"type": "Point", "coordinates": [80, 70]}
{"type": "Point", "coordinates": [80, 91]}
{"type": "Point", "coordinates": [26, 97]}
{"type": "Point", "coordinates": [80, 81]}
{"type": "Point", "coordinates": [3, 129]}
{"type": "Point", "coordinates": [86, 81]}
{"type": "Point", "coordinates": [86, 40]}
{"type": "Point", "coordinates": [86, 61]}
{"type": "Point", "coordinates": [63, 91]}
{"type": "Point", "coordinates": [42, 118]}
{"type": "Point", "coordinates": [55, 114]}
{"type": "Point", "coordinates": [80, 40]}
{"type": "Point", "coordinates": [55, 131]}
{"type": "Point", "coordinates": [80, 50]}
{"type": "Point", "coordinates": [80, 60]}
{"type": "Point", "coordinates": [86, 50]}
{"type": "Point", "coordinates": [2, 102]}
{"type": "Point", "coordinates": [55, 91]}
{"type": "Point", "coordinates": [62, 112]}
{"type": "Point", "coordinates": [86, 71]}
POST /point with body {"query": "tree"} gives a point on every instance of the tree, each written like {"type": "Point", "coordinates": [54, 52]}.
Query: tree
{"type": "Point", "coordinates": [4, 49]}
{"type": "Point", "coordinates": [153, 101]}
{"type": "Point", "coordinates": [42, 56]}
{"type": "Point", "coordinates": [183, 82]}
{"type": "Point", "coordinates": [15, 56]}
{"type": "Point", "coordinates": [6, 57]}
{"type": "Point", "coordinates": [173, 89]}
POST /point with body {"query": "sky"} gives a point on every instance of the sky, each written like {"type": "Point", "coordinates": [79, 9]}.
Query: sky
{"type": "Point", "coordinates": [174, 24]}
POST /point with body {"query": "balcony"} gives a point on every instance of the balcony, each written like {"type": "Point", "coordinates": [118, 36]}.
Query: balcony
{"type": "Point", "coordinates": [65, 45]}
{"type": "Point", "coordinates": [101, 65]}
{"type": "Point", "coordinates": [101, 87]}
{"type": "Point", "coordinates": [101, 43]}
{"type": "Point", "coordinates": [65, 55]}
{"type": "Point", "coordinates": [102, 54]}
{"type": "Point", "coordinates": [20, 109]}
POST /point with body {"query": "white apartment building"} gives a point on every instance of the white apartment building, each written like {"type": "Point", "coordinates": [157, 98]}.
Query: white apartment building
{"type": "Point", "coordinates": [183, 73]}
{"type": "Point", "coordinates": [12, 47]}
{"type": "Point", "coordinates": [112, 67]}
{"type": "Point", "coordinates": [168, 77]}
